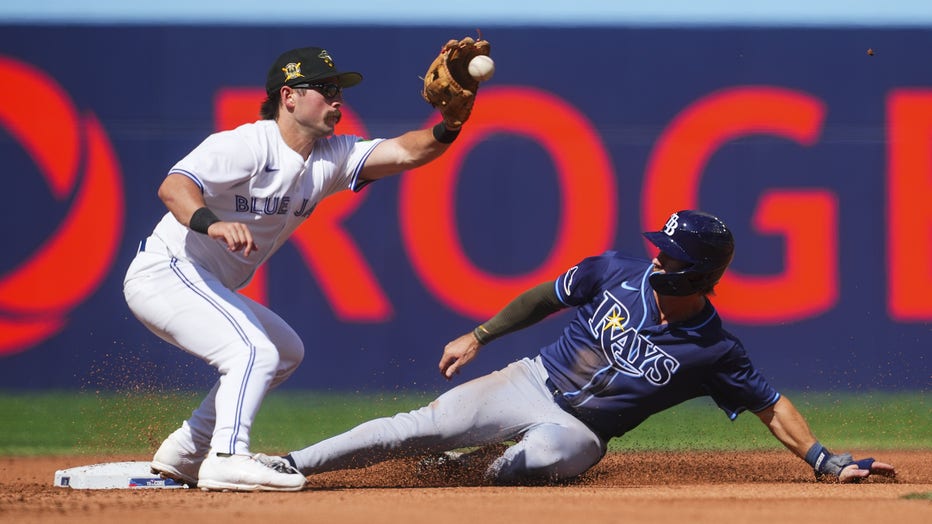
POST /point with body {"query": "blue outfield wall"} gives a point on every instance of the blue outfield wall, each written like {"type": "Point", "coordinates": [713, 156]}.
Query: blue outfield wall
{"type": "Point", "coordinates": [813, 150]}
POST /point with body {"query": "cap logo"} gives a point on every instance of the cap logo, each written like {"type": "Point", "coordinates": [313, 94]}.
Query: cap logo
{"type": "Point", "coordinates": [292, 71]}
{"type": "Point", "coordinates": [325, 56]}
{"type": "Point", "coordinates": [670, 227]}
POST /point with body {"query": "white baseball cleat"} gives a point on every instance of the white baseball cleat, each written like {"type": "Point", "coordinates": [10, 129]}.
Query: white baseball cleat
{"type": "Point", "coordinates": [173, 461]}
{"type": "Point", "coordinates": [224, 472]}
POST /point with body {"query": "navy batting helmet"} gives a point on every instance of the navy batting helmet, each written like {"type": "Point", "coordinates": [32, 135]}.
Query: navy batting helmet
{"type": "Point", "coordinates": [699, 239]}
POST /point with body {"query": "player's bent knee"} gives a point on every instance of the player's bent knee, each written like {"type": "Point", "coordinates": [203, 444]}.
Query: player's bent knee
{"type": "Point", "coordinates": [545, 463]}
{"type": "Point", "coordinates": [287, 365]}
{"type": "Point", "coordinates": [562, 464]}
{"type": "Point", "coordinates": [290, 358]}
{"type": "Point", "coordinates": [266, 358]}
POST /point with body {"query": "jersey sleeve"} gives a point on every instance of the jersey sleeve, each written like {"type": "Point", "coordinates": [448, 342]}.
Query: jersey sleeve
{"type": "Point", "coordinates": [356, 151]}
{"type": "Point", "coordinates": [221, 161]}
{"type": "Point", "coordinates": [738, 386]}
{"type": "Point", "coordinates": [582, 281]}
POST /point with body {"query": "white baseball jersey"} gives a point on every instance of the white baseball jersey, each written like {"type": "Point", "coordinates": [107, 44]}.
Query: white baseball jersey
{"type": "Point", "coordinates": [247, 175]}
{"type": "Point", "coordinates": [250, 175]}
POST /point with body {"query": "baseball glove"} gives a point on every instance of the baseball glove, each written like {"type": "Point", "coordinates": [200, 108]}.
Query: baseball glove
{"type": "Point", "coordinates": [448, 86]}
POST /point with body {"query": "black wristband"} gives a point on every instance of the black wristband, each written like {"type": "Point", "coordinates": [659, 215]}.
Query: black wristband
{"type": "Point", "coordinates": [444, 135]}
{"type": "Point", "coordinates": [202, 219]}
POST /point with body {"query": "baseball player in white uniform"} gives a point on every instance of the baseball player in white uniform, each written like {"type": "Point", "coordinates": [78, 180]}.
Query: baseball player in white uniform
{"type": "Point", "coordinates": [232, 202]}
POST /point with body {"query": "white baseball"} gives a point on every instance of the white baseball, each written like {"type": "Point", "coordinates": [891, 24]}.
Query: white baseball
{"type": "Point", "coordinates": [481, 68]}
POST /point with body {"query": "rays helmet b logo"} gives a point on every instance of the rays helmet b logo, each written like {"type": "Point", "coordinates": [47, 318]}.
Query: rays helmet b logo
{"type": "Point", "coordinates": [670, 227]}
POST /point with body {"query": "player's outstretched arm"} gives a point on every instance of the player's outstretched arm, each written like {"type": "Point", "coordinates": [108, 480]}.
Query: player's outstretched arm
{"type": "Point", "coordinates": [408, 151]}
{"type": "Point", "coordinates": [789, 427]}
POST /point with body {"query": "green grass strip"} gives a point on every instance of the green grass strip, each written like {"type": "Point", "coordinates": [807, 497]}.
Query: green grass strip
{"type": "Point", "coordinates": [50, 423]}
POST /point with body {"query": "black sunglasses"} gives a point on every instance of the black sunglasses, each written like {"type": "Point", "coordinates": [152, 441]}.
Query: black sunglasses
{"type": "Point", "coordinates": [328, 90]}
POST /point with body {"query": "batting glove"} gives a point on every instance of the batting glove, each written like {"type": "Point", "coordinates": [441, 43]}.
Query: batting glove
{"type": "Point", "coordinates": [829, 467]}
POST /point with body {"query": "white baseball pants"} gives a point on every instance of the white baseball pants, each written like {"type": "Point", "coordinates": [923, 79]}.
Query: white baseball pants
{"type": "Point", "coordinates": [252, 347]}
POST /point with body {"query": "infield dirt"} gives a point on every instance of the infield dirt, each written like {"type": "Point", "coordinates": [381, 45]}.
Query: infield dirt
{"type": "Point", "coordinates": [693, 487]}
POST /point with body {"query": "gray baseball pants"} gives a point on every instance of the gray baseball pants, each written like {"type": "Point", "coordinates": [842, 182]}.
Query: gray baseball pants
{"type": "Point", "coordinates": [510, 404]}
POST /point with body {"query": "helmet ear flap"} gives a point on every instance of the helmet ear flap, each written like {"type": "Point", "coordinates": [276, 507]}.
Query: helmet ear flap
{"type": "Point", "coordinates": [699, 239]}
{"type": "Point", "coordinates": [672, 284]}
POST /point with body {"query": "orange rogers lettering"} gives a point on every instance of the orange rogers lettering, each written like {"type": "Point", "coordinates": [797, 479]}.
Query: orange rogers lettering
{"type": "Point", "coordinates": [36, 296]}
{"type": "Point", "coordinates": [587, 190]}
{"type": "Point", "coordinates": [807, 286]}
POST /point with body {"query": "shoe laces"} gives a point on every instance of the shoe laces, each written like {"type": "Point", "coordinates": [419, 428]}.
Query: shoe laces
{"type": "Point", "coordinates": [276, 463]}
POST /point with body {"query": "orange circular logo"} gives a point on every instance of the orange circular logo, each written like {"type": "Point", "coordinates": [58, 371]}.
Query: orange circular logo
{"type": "Point", "coordinates": [74, 155]}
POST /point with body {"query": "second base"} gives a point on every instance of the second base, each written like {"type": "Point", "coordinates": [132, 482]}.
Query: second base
{"type": "Point", "coordinates": [112, 475]}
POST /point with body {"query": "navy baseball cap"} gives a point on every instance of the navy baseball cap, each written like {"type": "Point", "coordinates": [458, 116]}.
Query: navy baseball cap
{"type": "Point", "coordinates": [306, 65]}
